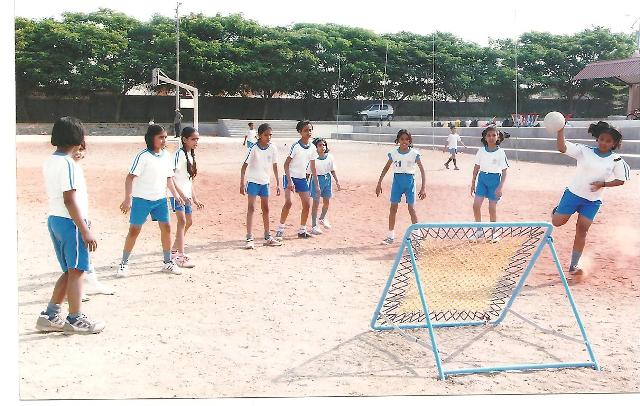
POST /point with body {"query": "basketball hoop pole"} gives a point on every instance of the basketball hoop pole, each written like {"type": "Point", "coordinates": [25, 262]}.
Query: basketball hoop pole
{"type": "Point", "coordinates": [158, 77]}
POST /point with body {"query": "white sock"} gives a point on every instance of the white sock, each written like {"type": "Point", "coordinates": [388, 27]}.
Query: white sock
{"type": "Point", "coordinates": [392, 234]}
{"type": "Point", "coordinates": [303, 229]}
{"type": "Point", "coordinates": [281, 227]}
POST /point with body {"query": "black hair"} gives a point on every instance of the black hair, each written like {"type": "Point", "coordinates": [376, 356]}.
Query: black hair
{"type": "Point", "coordinates": [601, 127]}
{"type": "Point", "coordinates": [250, 123]}
{"type": "Point", "coordinates": [192, 169]}
{"type": "Point", "coordinates": [501, 135]}
{"type": "Point", "coordinates": [403, 132]}
{"type": "Point", "coordinates": [316, 141]}
{"type": "Point", "coordinates": [152, 131]}
{"type": "Point", "coordinates": [67, 132]}
{"type": "Point", "coordinates": [263, 127]}
{"type": "Point", "coordinates": [303, 123]}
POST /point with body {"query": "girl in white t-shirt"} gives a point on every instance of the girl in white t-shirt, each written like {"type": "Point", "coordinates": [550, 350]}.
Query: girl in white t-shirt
{"type": "Point", "coordinates": [321, 184]}
{"type": "Point", "coordinates": [491, 163]}
{"type": "Point", "coordinates": [597, 168]}
{"type": "Point", "coordinates": [404, 160]}
{"type": "Point", "coordinates": [301, 156]}
{"type": "Point", "coordinates": [145, 189]}
{"type": "Point", "coordinates": [261, 159]}
{"type": "Point", "coordinates": [69, 230]}
{"type": "Point", "coordinates": [90, 275]}
{"type": "Point", "coordinates": [452, 146]}
{"type": "Point", "coordinates": [185, 170]}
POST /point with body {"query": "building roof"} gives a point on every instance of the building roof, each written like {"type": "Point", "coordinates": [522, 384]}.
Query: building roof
{"type": "Point", "coordinates": [626, 70]}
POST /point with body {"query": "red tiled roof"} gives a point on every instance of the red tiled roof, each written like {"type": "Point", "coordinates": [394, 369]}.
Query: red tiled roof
{"type": "Point", "coordinates": [627, 70]}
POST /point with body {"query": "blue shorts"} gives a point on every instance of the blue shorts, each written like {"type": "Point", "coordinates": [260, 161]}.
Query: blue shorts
{"type": "Point", "coordinates": [250, 144]}
{"type": "Point", "coordinates": [299, 185]}
{"type": "Point", "coordinates": [403, 184]}
{"type": "Point", "coordinates": [453, 150]}
{"type": "Point", "coordinates": [68, 244]}
{"type": "Point", "coordinates": [141, 208]}
{"type": "Point", "coordinates": [571, 203]}
{"type": "Point", "coordinates": [325, 187]}
{"type": "Point", "coordinates": [187, 208]}
{"type": "Point", "coordinates": [256, 189]}
{"type": "Point", "coordinates": [487, 184]}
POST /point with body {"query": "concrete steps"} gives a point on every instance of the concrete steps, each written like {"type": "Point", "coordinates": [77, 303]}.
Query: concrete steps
{"type": "Point", "coordinates": [239, 128]}
{"type": "Point", "coordinates": [530, 150]}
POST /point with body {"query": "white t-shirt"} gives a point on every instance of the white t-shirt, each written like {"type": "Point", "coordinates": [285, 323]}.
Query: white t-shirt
{"type": "Point", "coordinates": [152, 171]}
{"type": "Point", "coordinates": [404, 163]}
{"type": "Point", "coordinates": [181, 176]}
{"type": "Point", "coordinates": [300, 158]}
{"type": "Point", "coordinates": [452, 140]}
{"type": "Point", "coordinates": [62, 174]}
{"type": "Point", "coordinates": [260, 163]}
{"type": "Point", "coordinates": [323, 165]}
{"type": "Point", "coordinates": [491, 161]}
{"type": "Point", "coordinates": [594, 168]}
{"type": "Point", "coordinates": [252, 135]}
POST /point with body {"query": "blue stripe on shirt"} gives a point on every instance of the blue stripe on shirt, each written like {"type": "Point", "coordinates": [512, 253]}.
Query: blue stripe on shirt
{"type": "Point", "coordinates": [249, 152]}
{"type": "Point", "coordinates": [136, 160]}
{"type": "Point", "coordinates": [71, 174]}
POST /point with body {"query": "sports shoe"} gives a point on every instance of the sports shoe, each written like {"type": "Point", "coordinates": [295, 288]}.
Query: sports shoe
{"type": "Point", "coordinates": [446, 166]}
{"type": "Point", "coordinates": [184, 261]}
{"type": "Point", "coordinates": [171, 267]}
{"type": "Point", "coordinates": [325, 222]}
{"type": "Point", "coordinates": [122, 271]}
{"type": "Point", "coordinates": [83, 325]}
{"type": "Point", "coordinates": [304, 234]}
{"type": "Point", "coordinates": [95, 286]}
{"type": "Point", "coordinates": [279, 235]}
{"type": "Point", "coordinates": [316, 230]}
{"type": "Point", "coordinates": [477, 235]}
{"type": "Point", "coordinates": [272, 242]}
{"type": "Point", "coordinates": [174, 254]}
{"type": "Point", "coordinates": [387, 241]}
{"type": "Point", "coordinates": [455, 168]}
{"type": "Point", "coordinates": [46, 323]}
{"type": "Point", "coordinates": [249, 245]}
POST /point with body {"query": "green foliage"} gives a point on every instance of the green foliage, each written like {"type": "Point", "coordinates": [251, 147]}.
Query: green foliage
{"type": "Point", "coordinates": [107, 51]}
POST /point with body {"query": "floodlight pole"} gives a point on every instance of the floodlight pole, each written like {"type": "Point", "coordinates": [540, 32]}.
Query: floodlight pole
{"type": "Point", "coordinates": [177, 54]}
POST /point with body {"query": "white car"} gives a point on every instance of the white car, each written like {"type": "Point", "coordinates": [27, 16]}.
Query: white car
{"type": "Point", "coordinates": [377, 112]}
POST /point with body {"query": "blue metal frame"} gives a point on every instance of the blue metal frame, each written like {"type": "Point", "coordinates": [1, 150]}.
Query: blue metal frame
{"type": "Point", "coordinates": [546, 240]}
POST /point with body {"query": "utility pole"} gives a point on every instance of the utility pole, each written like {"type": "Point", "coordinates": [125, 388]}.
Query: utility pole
{"type": "Point", "coordinates": [177, 54]}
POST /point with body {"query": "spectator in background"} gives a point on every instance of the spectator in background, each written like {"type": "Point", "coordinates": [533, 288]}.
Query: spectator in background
{"type": "Point", "coordinates": [177, 123]}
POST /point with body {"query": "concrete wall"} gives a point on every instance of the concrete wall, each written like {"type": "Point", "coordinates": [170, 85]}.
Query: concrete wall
{"type": "Point", "coordinates": [102, 108]}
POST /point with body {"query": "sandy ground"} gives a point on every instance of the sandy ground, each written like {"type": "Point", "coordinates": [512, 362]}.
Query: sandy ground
{"type": "Point", "coordinates": [294, 320]}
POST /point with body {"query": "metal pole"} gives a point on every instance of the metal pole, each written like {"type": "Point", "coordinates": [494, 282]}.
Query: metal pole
{"type": "Point", "coordinates": [515, 16]}
{"type": "Point", "coordinates": [384, 82]}
{"type": "Point", "coordinates": [338, 97]}
{"type": "Point", "coordinates": [177, 54]}
{"type": "Point", "coordinates": [433, 90]}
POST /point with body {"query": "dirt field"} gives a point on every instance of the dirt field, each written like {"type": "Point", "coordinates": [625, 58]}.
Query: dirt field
{"type": "Point", "coordinates": [294, 320]}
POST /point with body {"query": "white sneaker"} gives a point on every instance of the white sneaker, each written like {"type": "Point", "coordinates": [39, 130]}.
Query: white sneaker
{"type": "Point", "coordinates": [325, 223]}
{"type": "Point", "coordinates": [184, 261]}
{"type": "Point", "coordinates": [387, 241]}
{"type": "Point", "coordinates": [272, 242]}
{"type": "Point", "coordinates": [122, 271]}
{"type": "Point", "coordinates": [95, 286]}
{"type": "Point", "coordinates": [477, 235]}
{"type": "Point", "coordinates": [53, 323]}
{"type": "Point", "coordinates": [174, 254]}
{"type": "Point", "coordinates": [83, 325]}
{"type": "Point", "coordinates": [250, 244]}
{"type": "Point", "coordinates": [316, 230]}
{"type": "Point", "coordinates": [279, 235]}
{"type": "Point", "coordinates": [171, 267]}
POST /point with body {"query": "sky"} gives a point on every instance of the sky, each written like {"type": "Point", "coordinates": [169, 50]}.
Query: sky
{"type": "Point", "coordinates": [476, 21]}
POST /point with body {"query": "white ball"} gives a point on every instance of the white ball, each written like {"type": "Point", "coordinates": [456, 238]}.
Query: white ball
{"type": "Point", "coordinates": [553, 122]}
